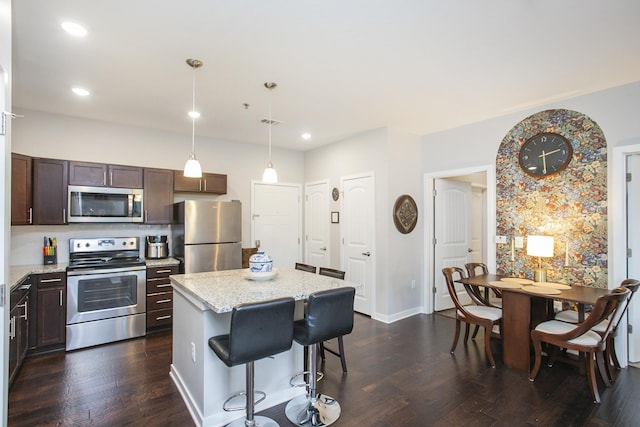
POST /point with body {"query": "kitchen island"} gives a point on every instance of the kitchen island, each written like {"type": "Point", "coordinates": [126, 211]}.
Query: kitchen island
{"type": "Point", "coordinates": [202, 308]}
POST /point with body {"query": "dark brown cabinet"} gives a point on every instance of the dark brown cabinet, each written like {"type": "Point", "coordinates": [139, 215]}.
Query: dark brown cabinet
{"type": "Point", "coordinates": [51, 310]}
{"type": "Point", "coordinates": [103, 175]}
{"type": "Point", "coordinates": [211, 183]}
{"type": "Point", "coordinates": [18, 329]}
{"type": "Point", "coordinates": [160, 296]}
{"type": "Point", "coordinates": [21, 190]}
{"type": "Point", "coordinates": [158, 196]}
{"type": "Point", "coordinates": [50, 180]}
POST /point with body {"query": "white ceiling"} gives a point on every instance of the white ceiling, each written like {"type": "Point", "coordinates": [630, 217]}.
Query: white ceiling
{"type": "Point", "coordinates": [342, 66]}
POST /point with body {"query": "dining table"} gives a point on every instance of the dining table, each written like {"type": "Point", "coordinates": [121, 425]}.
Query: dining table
{"type": "Point", "coordinates": [525, 306]}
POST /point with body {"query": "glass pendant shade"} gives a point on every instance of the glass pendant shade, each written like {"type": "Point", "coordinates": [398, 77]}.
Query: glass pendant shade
{"type": "Point", "coordinates": [192, 168]}
{"type": "Point", "coordinates": [270, 176]}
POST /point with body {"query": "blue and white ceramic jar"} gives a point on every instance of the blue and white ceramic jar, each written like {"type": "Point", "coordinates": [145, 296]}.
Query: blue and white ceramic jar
{"type": "Point", "coordinates": [260, 262]}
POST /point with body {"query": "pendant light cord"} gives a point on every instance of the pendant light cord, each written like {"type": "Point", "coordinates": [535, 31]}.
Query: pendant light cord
{"type": "Point", "coordinates": [270, 124]}
{"type": "Point", "coordinates": [193, 114]}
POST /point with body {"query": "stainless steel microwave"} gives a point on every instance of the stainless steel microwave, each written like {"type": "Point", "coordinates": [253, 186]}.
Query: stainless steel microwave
{"type": "Point", "coordinates": [104, 204]}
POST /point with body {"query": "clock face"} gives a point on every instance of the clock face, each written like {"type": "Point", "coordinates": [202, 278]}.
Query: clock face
{"type": "Point", "coordinates": [545, 154]}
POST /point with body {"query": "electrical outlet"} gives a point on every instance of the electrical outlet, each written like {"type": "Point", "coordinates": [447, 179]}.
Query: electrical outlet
{"type": "Point", "coordinates": [413, 283]}
{"type": "Point", "coordinates": [519, 242]}
{"type": "Point", "coordinates": [501, 239]}
{"type": "Point", "coordinates": [193, 352]}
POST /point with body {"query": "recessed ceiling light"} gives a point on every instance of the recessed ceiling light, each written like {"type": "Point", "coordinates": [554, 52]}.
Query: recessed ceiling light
{"type": "Point", "coordinates": [306, 136]}
{"type": "Point", "coordinates": [74, 29]}
{"type": "Point", "coordinates": [194, 114]}
{"type": "Point", "coordinates": [80, 91]}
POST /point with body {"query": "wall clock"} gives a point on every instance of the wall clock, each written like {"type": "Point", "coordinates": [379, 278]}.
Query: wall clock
{"type": "Point", "coordinates": [335, 194]}
{"type": "Point", "coordinates": [545, 154]}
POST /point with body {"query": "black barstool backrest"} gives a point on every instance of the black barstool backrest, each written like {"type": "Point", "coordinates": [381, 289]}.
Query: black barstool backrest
{"type": "Point", "coordinates": [331, 272]}
{"type": "Point", "coordinates": [329, 314]}
{"type": "Point", "coordinates": [306, 267]}
{"type": "Point", "coordinates": [258, 330]}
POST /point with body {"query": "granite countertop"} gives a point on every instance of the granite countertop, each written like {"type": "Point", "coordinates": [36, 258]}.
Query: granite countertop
{"type": "Point", "coordinates": [155, 262]}
{"type": "Point", "coordinates": [19, 272]}
{"type": "Point", "coordinates": [220, 291]}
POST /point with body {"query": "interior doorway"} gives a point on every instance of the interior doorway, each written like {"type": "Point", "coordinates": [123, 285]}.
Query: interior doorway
{"type": "Point", "coordinates": [482, 221]}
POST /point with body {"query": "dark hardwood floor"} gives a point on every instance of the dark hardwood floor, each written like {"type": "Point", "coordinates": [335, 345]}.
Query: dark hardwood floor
{"type": "Point", "coordinates": [399, 375]}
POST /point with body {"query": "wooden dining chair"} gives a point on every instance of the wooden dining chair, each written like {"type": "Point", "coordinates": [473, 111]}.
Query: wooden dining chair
{"type": "Point", "coordinates": [477, 314]}
{"type": "Point", "coordinates": [581, 337]}
{"type": "Point", "coordinates": [306, 267]}
{"type": "Point", "coordinates": [474, 268]}
{"type": "Point", "coordinates": [611, 358]}
{"type": "Point", "coordinates": [337, 274]}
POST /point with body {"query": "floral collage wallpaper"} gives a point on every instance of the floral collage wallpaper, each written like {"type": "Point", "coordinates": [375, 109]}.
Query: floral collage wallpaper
{"type": "Point", "coordinates": [571, 205]}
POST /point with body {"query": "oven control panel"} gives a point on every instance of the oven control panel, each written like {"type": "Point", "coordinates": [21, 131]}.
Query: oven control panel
{"type": "Point", "coordinates": [104, 244]}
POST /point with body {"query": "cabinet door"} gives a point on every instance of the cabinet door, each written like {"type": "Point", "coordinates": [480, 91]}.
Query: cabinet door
{"type": "Point", "coordinates": [51, 309]}
{"type": "Point", "coordinates": [158, 196]}
{"type": "Point", "coordinates": [18, 339]}
{"type": "Point", "coordinates": [50, 178]}
{"type": "Point", "coordinates": [184, 184]}
{"type": "Point", "coordinates": [214, 183]}
{"type": "Point", "coordinates": [124, 176]}
{"type": "Point", "coordinates": [85, 173]}
{"type": "Point", "coordinates": [21, 189]}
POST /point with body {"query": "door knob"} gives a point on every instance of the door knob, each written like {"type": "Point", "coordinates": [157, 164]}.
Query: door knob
{"type": "Point", "coordinates": [323, 249]}
{"type": "Point", "coordinates": [469, 250]}
{"type": "Point", "coordinates": [366, 253]}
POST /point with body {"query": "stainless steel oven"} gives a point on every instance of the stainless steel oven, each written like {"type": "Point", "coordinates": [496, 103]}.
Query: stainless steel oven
{"type": "Point", "coordinates": [106, 291]}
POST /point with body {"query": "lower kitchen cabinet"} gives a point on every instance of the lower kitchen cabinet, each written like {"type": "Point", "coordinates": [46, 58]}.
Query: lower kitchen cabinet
{"type": "Point", "coordinates": [51, 313]}
{"type": "Point", "coordinates": [160, 297]}
{"type": "Point", "coordinates": [18, 329]}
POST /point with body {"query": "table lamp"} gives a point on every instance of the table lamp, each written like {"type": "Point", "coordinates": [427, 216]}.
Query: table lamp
{"type": "Point", "coordinates": [540, 246]}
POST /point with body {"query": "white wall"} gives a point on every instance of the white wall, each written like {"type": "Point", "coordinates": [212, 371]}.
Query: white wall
{"type": "Point", "coordinates": [394, 157]}
{"type": "Point", "coordinates": [5, 200]}
{"type": "Point", "coordinates": [41, 134]}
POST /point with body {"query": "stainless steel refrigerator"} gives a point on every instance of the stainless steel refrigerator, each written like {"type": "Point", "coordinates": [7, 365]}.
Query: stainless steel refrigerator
{"type": "Point", "coordinates": [207, 235]}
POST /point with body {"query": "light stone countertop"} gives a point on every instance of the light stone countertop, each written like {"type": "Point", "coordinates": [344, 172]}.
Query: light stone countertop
{"type": "Point", "coordinates": [220, 291]}
{"type": "Point", "coordinates": [18, 272]}
{"type": "Point", "coordinates": [156, 262]}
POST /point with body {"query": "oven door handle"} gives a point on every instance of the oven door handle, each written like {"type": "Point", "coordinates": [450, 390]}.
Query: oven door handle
{"type": "Point", "coordinates": [95, 271]}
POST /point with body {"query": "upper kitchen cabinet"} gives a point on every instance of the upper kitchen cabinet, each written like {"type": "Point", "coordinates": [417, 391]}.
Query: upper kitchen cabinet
{"type": "Point", "coordinates": [102, 175]}
{"type": "Point", "coordinates": [211, 183]}
{"type": "Point", "coordinates": [21, 190]}
{"type": "Point", "coordinates": [50, 180]}
{"type": "Point", "coordinates": [158, 196]}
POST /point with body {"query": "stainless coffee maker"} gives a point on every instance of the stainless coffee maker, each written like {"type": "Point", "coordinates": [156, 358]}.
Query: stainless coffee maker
{"type": "Point", "coordinates": [157, 247]}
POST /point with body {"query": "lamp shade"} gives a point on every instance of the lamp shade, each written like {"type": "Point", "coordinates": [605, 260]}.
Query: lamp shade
{"type": "Point", "coordinates": [541, 246]}
{"type": "Point", "coordinates": [192, 168]}
{"type": "Point", "coordinates": [270, 176]}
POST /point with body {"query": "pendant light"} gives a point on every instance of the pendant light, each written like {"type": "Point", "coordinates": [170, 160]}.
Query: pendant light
{"type": "Point", "coordinates": [270, 176]}
{"type": "Point", "coordinates": [192, 168]}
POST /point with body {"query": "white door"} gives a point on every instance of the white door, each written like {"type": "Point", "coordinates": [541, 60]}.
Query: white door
{"type": "Point", "coordinates": [633, 243]}
{"type": "Point", "coordinates": [452, 231]}
{"type": "Point", "coordinates": [316, 224]}
{"type": "Point", "coordinates": [276, 214]}
{"type": "Point", "coordinates": [357, 225]}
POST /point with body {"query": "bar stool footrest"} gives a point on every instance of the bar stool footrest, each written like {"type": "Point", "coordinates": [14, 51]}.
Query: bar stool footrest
{"type": "Point", "coordinates": [292, 383]}
{"type": "Point", "coordinates": [227, 408]}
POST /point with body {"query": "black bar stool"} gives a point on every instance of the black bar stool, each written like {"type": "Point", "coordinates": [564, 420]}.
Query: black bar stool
{"type": "Point", "coordinates": [258, 330]}
{"type": "Point", "coordinates": [329, 315]}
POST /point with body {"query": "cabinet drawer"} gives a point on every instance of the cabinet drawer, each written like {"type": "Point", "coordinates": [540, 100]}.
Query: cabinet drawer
{"type": "Point", "coordinates": [161, 271]}
{"type": "Point", "coordinates": [157, 318]}
{"type": "Point", "coordinates": [158, 285]}
{"type": "Point", "coordinates": [51, 280]}
{"type": "Point", "coordinates": [158, 301]}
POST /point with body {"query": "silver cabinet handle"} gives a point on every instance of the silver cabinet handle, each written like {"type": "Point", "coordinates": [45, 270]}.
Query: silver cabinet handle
{"type": "Point", "coordinates": [366, 253]}
{"type": "Point", "coordinates": [323, 249]}
{"type": "Point", "coordinates": [64, 216]}
{"type": "Point", "coordinates": [61, 302]}
{"type": "Point", "coordinates": [51, 280]}
{"type": "Point", "coordinates": [163, 271]}
{"type": "Point", "coordinates": [166, 285]}
{"type": "Point", "coordinates": [163, 301]}
{"type": "Point", "coordinates": [104, 178]}
{"type": "Point", "coordinates": [163, 317]}
{"type": "Point", "coordinates": [200, 185]}
{"type": "Point", "coordinates": [12, 328]}
{"type": "Point", "coordinates": [30, 215]}
{"type": "Point", "coordinates": [146, 215]}
{"type": "Point", "coordinates": [110, 178]}
{"type": "Point", "coordinates": [25, 315]}
{"type": "Point", "coordinates": [205, 185]}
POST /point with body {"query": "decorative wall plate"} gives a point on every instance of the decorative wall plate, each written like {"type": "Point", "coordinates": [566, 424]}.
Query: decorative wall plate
{"type": "Point", "coordinates": [335, 194]}
{"type": "Point", "coordinates": [405, 214]}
